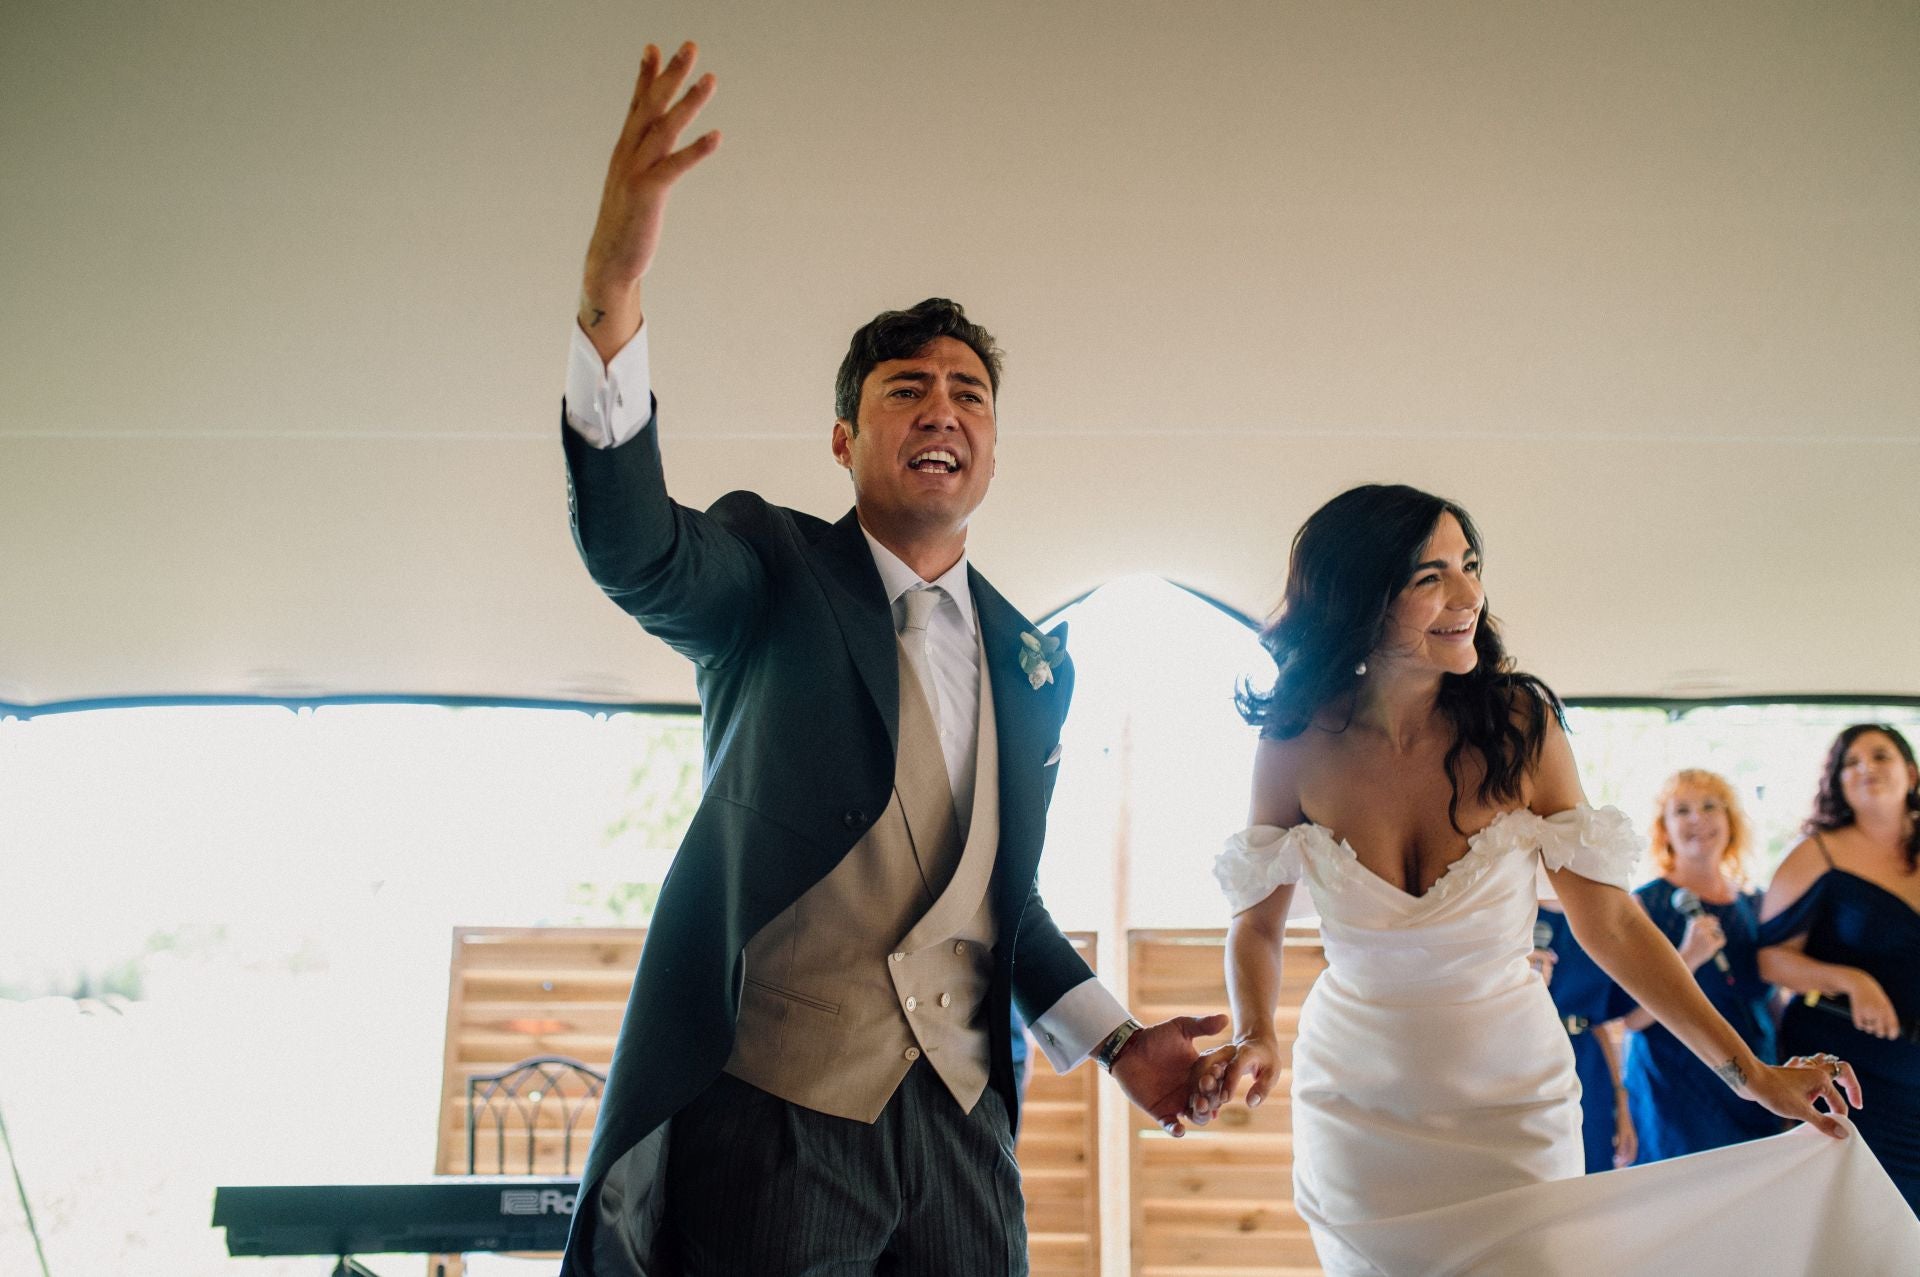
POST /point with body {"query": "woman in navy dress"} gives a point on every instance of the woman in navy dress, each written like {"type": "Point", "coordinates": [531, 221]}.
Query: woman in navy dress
{"type": "Point", "coordinates": [1589, 1003]}
{"type": "Point", "coordinates": [1698, 842]}
{"type": "Point", "coordinates": [1843, 919]}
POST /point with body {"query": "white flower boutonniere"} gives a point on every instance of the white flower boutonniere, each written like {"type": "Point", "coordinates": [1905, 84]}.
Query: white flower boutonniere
{"type": "Point", "coordinates": [1039, 655]}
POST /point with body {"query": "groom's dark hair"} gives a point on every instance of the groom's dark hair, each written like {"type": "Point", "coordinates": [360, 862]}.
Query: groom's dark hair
{"type": "Point", "coordinates": [902, 334]}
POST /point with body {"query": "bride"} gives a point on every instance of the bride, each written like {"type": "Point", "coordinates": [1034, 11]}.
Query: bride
{"type": "Point", "coordinates": [1414, 780]}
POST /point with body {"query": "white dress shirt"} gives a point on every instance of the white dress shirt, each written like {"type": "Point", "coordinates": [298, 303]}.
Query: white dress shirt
{"type": "Point", "coordinates": [610, 403]}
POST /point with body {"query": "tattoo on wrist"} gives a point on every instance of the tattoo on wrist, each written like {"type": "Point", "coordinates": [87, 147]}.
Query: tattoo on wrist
{"type": "Point", "coordinates": [1731, 1073]}
{"type": "Point", "coordinates": [590, 315]}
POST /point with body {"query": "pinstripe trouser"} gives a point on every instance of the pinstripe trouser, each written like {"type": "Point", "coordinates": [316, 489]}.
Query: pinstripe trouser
{"type": "Point", "coordinates": [757, 1186]}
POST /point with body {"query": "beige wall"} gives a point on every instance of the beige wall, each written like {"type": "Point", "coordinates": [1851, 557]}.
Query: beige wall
{"type": "Point", "coordinates": [284, 295]}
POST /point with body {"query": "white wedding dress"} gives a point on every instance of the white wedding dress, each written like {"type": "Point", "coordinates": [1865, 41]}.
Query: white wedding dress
{"type": "Point", "coordinates": [1436, 1115]}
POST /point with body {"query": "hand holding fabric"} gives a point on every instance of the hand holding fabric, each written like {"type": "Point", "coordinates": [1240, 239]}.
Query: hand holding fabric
{"type": "Point", "coordinates": [1791, 1089]}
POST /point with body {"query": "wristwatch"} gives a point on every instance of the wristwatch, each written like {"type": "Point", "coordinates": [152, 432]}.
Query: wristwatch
{"type": "Point", "coordinates": [1109, 1051]}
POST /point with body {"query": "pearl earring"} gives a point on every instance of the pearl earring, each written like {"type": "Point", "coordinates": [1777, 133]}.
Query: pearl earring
{"type": "Point", "coordinates": [1360, 669]}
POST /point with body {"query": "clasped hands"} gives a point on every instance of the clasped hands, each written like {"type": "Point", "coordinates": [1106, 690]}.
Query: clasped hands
{"type": "Point", "coordinates": [1218, 1073]}
{"type": "Point", "coordinates": [1157, 1066]}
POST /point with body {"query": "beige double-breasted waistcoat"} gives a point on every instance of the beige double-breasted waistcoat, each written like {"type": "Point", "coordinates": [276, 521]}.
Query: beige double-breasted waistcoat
{"type": "Point", "coordinates": [888, 958]}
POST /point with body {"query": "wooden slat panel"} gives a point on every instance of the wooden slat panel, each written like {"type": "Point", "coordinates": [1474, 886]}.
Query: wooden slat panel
{"type": "Point", "coordinates": [1218, 1202]}
{"type": "Point", "coordinates": [515, 992]}
{"type": "Point", "coordinates": [1061, 1255]}
{"type": "Point", "coordinates": [1059, 1163]}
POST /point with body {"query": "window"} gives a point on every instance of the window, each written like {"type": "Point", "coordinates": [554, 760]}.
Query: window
{"type": "Point", "coordinates": [246, 916]}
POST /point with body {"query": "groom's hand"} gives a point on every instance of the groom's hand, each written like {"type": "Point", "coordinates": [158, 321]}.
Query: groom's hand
{"type": "Point", "coordinates": [633, 204]}
{"type": "Point", "coordinates": [1155, 1067]}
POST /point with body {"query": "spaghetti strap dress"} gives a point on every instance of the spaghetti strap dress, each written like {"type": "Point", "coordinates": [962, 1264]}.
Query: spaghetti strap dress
{"type": "Point", "coordinates": [1854, 922]}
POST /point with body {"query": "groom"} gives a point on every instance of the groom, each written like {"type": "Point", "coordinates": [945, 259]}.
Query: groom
{"type": "Point", "coordinates": [814, 1073]}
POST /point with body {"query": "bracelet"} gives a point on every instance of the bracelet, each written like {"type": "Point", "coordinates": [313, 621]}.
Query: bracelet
{"type": "Point", "coordinates": [1109, 1051]}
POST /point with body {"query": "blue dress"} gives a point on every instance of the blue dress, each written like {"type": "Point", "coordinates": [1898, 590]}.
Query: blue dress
{"type": "Point", "coordinates": [1678, 1105]}
{"type": "Point", "coordinates": [1586, 997]}
{"type": "Point", "coordinates": [1853, 922]}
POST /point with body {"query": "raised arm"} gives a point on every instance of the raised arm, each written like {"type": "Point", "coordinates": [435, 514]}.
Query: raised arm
{"type": "Point", "coordinates": [633, 204]}
{"type": "Point", "coordinates": [1616, 931]}
{"type": "Point", "coordinates": [683, 574]}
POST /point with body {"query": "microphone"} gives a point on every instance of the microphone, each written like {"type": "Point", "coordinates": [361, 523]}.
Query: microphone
{"type": "Point", "coordinates": [1688, 903]}
{"type": "Point", "coordinates": [1543, 955]}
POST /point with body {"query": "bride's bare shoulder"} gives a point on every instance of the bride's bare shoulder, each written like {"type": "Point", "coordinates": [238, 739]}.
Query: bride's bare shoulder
{"type": "Point", "coordinates": [1279, 766]}
{"type": "Point", "coordinates": [1551, 780]}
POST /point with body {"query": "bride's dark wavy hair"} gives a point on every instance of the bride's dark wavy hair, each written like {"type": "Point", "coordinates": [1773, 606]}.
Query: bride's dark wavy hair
{"type": "Point", "coordinates": [1350, 560]}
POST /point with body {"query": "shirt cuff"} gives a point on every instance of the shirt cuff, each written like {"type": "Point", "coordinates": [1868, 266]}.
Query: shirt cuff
{"type": "Point", "coordinates": [1080, 1021]}
{"type": "Point", "coordinates": [609, 403]}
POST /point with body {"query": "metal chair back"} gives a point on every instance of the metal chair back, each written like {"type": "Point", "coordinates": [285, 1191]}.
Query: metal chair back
{"type": "Point", "coordinates": [540, 1101]}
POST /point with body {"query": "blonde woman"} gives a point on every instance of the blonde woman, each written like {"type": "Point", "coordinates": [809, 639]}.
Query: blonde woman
{"type": "Point", "coordinates": [1704, 904]}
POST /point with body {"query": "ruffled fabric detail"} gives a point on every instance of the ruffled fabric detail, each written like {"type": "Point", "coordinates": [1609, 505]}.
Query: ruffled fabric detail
{"type": "Point", "coordinates": [1595, 842]}
{"type": "Point", "coordinates": [1483, 853]}
{"type": "Point", "coordinates": [1255, 861]}
{"type": "Point", "coordinates": [1504, 835]}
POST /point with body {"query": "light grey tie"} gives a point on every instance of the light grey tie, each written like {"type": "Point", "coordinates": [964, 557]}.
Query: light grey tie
{"type": "Point", "coordinates": [919, 605]}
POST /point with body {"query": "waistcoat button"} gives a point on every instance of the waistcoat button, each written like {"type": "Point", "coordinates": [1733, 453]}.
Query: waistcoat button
{"type": "Point", "coordinates": [946, 999]}
{"type": "Point", "coordinates": [854, 818]}
{"type": "Point", "coordinates": [913, 1053]}
{"type": "Point", "coordinates": [913, 1004]}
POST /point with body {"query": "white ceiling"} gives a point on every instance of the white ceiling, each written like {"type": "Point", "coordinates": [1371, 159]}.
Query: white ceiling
{"type": "Point", "coordinates": [284, 295]}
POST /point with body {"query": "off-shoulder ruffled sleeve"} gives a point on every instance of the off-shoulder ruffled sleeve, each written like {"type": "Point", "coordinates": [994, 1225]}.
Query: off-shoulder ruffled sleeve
{"type": "Point", "coordinates": [1594, 842]}
{"type": "Point", "coordinates": [1257, 860]}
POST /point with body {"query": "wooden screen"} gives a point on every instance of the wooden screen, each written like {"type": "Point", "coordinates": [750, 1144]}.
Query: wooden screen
{"type": "Point", "coordinates": [1058, 1150]}
{"type": "Point", "coordinates": [1219, 1201]}
{"type": "Point", "coordinates": [516, 992]}
{"type": "Point", "coordinates": [520, 992]}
